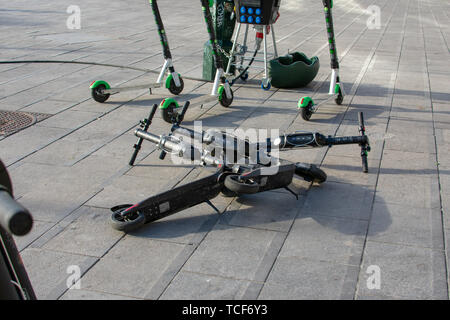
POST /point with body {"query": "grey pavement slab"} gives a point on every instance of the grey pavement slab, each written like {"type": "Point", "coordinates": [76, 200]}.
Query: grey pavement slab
{"type": "Point", "coordinates": [30, 140]}
{"type": "Point", "coordinates": [339, 200]}
{"type": "Point", "coordinates": [340, 241]}
{"type": "Point", "coordinates": [267, 211]}
{"type": "Point", "coordinates": [408, 272]}
{"type": "Point", "coordinates": [148, 259]}
{"type": "Point", "coordinates": [50, 280]}
{"type": "Point", "coordinates": [194, 286]}
{"type": "Point", "coordinates": [415, 190]}
{"type": "Point", "coordinates": [295, 278]}
{"type": "Point", "coordinates": [232, 252]}
{"type": "Point", "coordinates": [89, 235]}
{"type": "Point", "coordinates": [402, 224]}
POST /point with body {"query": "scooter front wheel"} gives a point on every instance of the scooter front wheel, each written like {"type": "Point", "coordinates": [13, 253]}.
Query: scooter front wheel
{"type": "Point", "coordinates": [173, 89]}
{"type": "Point", "coordinates": [340, 97]}
{"type": "Point", "coordinates": [224, 100]}
{"type": "Point", "coordinates": [98, 95]}
{"type": "Point", "coordinates": [310, 173]}
{"type": "Point", "coordinates": [120, 223]}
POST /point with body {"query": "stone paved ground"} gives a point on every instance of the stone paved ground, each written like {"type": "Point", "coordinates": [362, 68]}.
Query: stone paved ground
{"type": "Point", "coordinates": [70, 168]}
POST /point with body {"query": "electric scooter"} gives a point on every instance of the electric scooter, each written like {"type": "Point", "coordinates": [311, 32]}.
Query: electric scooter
{"type": "Point", "coordinates": [101, 90]}
{"type": "Point", "coordinates": [307, 105]}
{"type": "Point", "coordinates": [221, 90]}
{"type": "Point", "coordinates": [14, 220]}
{"type": "Point", "coordinates": [239, 167]}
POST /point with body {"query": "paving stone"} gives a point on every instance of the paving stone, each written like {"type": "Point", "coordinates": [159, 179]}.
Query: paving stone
{"type": "Point", "coordinates": [193, 286]}
{"type": "Point", "coordinates": [295, 278]}
{"type": "Point", "coordinates": [30, 140]}
{"type": "Point", "coordinates": [49, 106]}
{"type": "Point", "coordinates": [320, 238]}
{"type": "Point", "coordinates": [268, 211]}
{"type": "Point", "coordinates": [70, 119]}
{"type": "Point", "coordinates": [349, 170]}
{"type": "Point", "coordinates": [402, 224]}
{"type": "Point", "coordinates": [187, 226]}
{"type": "Point", "coordinates": [39, 227]}
{"type": "Point", "coordinates": [90, 234]}
{"type": "Point", "coordinates": [231, 252]}
{"type": "Point", "coordinates": [415, 190]}
{"type": "Point", "coordinates": [145, 259]}
{"type": "Point", "coordinates": [49, 280]}
{"type": "Point", "coordinates": [28, 177]}
{"type": "Point", "coordinates": [338, 200]}
{"type": "Point", "coordinates": [410, 272]}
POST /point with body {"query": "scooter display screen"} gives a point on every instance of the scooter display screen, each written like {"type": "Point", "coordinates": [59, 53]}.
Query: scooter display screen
{"type": "Point", "coordinates": [251, 3]}
{"type": "Point", "coordinates": [262, 12]}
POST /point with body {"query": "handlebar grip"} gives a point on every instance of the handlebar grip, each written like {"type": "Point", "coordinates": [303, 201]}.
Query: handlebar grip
{"type": "Point", "coordinates": [152, 113]}
{"type": "Point", "coordinates": [162, 155]}
{"type": "Point", "coordinates": [365, 164]}
{"type": "Point", "coordinates": [137, 148]}
{"type": "Point", "coordinates": [14, 218]}
{"type": "Point", "coordinates": [183, 111]}
{"type": "Point", "coordinates": [361, 121]}
{"type": "Point", "coordinates": [347, 140]}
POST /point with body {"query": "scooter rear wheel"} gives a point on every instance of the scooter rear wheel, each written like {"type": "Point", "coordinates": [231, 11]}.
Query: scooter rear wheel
{"type": "Point", "coordinates": [240, 187]}
{"type": "Point", "coordinates": [125, 225]}
{"type": "Point", "coordinates": [167, 113]}
{"type": "Point", "coordinates": [340, 97]}
{"type": "Point", "coordinates": [307, 112]}
{"type": "Point", "coordinates": [224, 100]}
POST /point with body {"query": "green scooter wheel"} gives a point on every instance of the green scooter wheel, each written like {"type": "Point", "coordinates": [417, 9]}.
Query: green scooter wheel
{"type": "Point", "coordinates": [340, 97]}
{"type": "Point", "coordinates": [97, 94]}
{"type": "Point", "coordinates": [307, 111]}
{"type": "Point", "coordinates": [224, 100]}
{"type": "Point", "coordinates": [173, 89]}
{"type": "Point", "coordinates": [168, 113]}
{"type": "Point", "coordinates": [168, 107]}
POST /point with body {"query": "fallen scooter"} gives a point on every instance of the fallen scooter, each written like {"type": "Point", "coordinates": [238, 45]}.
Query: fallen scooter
{"type": "Point", "coordinates": [237, 170]}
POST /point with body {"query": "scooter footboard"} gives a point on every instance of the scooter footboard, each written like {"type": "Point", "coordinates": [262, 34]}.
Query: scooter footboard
{"type": "Point", "coordinates": [180, 198]}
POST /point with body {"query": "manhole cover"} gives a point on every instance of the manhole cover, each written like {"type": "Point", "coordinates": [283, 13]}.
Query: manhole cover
{"type": "Point", "coordinates": [13, 121]}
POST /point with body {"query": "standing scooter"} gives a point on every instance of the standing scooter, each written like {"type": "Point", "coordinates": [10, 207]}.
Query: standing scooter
{"type": "Point", "coordinates": [221, 87]}
{"type": "Point", "coordinates": [306, 104]}
{"type": "Point", "coordinates": [101, 90]}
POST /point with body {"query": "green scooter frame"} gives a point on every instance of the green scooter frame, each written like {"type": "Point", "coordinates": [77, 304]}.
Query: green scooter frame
{"type": "Point", "coordinates": [101, 90]}
{"type": "Point", "coordinates": [221, 90]}
{"type": "Point", "coordinates": [307, 105]}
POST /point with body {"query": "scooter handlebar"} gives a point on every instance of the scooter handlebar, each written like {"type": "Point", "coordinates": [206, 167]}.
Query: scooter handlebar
{"type": "Point", "coordinates": [14, 218]}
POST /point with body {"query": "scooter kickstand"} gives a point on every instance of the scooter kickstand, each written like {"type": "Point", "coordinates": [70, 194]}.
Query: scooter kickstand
{"type": "Point", "coordinates": [292, 191]}
{"type": "Point", "coordinates": [213, 206]}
